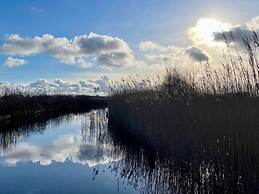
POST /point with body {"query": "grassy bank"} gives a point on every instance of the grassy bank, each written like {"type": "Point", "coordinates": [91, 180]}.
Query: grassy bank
{"type": "Point", "coordinates": [24, 106]}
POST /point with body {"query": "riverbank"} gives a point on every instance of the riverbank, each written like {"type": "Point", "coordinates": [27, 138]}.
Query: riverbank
{"type": "Point", "coordinates": [15, 107]}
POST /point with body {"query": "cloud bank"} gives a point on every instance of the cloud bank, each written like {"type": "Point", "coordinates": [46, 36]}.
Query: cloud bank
{"type": "Point", "coordinates": [59, 86]}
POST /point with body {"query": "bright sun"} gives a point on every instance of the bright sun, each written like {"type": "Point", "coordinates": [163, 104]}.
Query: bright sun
{"type": "Point", "coordinates": [203, 31]}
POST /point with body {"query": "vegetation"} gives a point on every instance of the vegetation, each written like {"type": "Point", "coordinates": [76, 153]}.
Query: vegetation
{"type": "Point", "coordinates": [207, 122]}
{"type": "Point", "coordinates": [16, 106]}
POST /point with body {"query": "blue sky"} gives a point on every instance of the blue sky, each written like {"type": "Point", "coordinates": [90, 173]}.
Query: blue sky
{"type": "Point", "coordinates": [164, 22]}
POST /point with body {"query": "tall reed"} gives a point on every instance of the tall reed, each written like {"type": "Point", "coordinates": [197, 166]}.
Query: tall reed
{"type": "Point", "coordinates": [197, 119]}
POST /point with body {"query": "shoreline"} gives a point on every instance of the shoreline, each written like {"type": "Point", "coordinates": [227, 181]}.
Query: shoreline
{"type": "Point", "coordinates": [26, 107]}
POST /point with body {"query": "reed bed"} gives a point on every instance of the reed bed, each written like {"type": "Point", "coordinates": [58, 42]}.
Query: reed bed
{"type": "Point", "coordinates": [20, 106]}
{"type": "Point", "coordinates": [210, 119]}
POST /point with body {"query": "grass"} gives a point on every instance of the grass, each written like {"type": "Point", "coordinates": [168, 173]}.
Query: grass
{"type": "Point", "coordinates": [207, 119]}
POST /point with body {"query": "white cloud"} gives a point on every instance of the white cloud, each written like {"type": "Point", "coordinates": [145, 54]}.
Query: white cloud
{"type": "Point", "coordinates": [103, 83]}
{"type": "Point", "coordinates": [152, 47]}
{"type": "Point", "coordinates": [170, 55]}
{"type": "Point", "coordinates": [60, 48]}
{"type": "Point", "coordinates": [75, 51]}
{"type": "Point", "coordinates": [253, 24]}
{"type": "Point", "coordinates": [11, 62]}
{"type": "Point", "coordinates": [149, 46]}
{"type": "Point", "coordinates": [84, 64]}
{"type": "Point", "coordinates": [89, 50]}
{"type": "Point", "coordinates": [161, 55]}
{"type": "Point", "coordinates": [208, 43]}
{"type": "Point", "coordinates": [59, 86]}
{"type": "Point", "coordinates": [204, 31]}
{"type": "Point", "coordinates": [211, 32]}
{"type": "Point", "coordinates": [109, 51]}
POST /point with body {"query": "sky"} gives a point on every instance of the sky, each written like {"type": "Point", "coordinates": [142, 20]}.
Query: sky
{"type": "Point", "coordinates": [63, 41]}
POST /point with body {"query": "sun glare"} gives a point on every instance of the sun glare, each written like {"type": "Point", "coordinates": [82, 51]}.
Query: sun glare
{"type": "Point", "coordinates": [203, 32]}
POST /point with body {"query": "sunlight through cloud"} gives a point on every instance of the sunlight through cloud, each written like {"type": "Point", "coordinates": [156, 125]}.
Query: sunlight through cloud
{"type": "Point", "coordinates": [204, 31]}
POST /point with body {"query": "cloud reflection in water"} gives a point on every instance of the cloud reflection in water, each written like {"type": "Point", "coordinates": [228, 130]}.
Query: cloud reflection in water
{"type": "Point", "coordinates": [84, 150]}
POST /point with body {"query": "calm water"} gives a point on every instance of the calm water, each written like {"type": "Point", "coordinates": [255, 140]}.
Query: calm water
{"type": "Point", "coordinates": [83, 154]}
{"type": "Point", "coordinates": [71, 154]}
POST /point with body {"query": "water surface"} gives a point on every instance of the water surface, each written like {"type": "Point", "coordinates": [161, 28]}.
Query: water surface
{"type": "Point", "coordinates": [69, 154]}
{"type": "Point", "coordinates": [88, 153]}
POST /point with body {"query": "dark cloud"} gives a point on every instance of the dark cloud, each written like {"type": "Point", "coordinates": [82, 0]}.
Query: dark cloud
{"type": "Point", "coordinates": [95, 43]}
{"type": "Point", "coordinates": [197, 54]}
{"type": "Point", "coordinates": [115, 59]}
{"type": "Point", "coordinates": [237, 34]}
